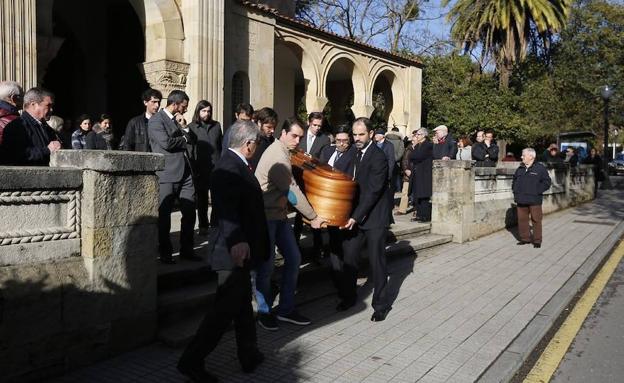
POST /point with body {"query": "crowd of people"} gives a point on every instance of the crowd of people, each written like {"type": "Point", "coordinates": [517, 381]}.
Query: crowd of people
{"type": "Point", "coordinates": [247, 172]}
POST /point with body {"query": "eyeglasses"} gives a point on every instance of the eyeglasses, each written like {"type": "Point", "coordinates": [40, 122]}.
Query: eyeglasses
{"type": "Point", "coordinates": [342, 141]}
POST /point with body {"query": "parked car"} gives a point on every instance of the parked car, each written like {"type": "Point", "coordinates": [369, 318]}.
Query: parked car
{"type": "Point", "coordinates": [616, 166]}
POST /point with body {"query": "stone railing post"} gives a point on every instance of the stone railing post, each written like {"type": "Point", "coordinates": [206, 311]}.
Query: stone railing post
{"type": "Point", "coordinates": [453, 199]}
{"type": "Point", "coordinates": [119, 235]}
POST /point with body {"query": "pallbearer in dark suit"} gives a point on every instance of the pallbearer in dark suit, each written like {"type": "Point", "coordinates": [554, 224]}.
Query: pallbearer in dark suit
{"type": "Point", "coordinates": [242, 243]}
{"type": "Point", "coordinates": [368, 222]}
{"type": "Point", "coordinates": [176, 181]}
{"type": "Point", "coordinates": [339, 157]}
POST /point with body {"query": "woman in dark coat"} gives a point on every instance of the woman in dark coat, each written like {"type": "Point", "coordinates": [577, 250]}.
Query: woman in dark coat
{"type": "Point", "coordinates": [406, 171]}
{"type": "Point", "coordinates": [421, 160]}
{"type": "Point", "coordinates": [204, 155]}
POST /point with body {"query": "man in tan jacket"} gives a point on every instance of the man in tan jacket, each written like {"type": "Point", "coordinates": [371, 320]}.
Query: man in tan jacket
{"type": "Point", "coordinates": [274, 173]}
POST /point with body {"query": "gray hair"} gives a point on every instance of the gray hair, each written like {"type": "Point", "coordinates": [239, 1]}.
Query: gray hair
{"type": "Point", "coordinates": [241, 132]}
{"type": "Point", "coordinates": [10, 89]}
{"type": "Point", "coordinates": [529, 151]}
{"type": "Point", "coordinates": [36, 95]}
{"type": "Point", "coordinates": [423, 131]}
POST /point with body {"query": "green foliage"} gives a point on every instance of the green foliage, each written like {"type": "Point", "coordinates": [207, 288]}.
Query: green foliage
{"type": "Point", "coordinates": [504, 28]}
{"type": "Point", "coordinates": [546, 95]}
{"type": "Point", "coordinates": [457, 95]}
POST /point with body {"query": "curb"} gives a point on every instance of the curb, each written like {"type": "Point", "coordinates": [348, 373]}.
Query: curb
{"type": "Point", "coordinates": [511, 360]}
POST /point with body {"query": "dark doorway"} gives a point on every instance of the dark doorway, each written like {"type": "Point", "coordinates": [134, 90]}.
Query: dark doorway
{"type": "Point", "coordinates": [97, 68]}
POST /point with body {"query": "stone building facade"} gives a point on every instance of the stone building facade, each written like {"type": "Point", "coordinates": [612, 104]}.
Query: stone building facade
{"type": "Point", "coordinates": [98, 56]}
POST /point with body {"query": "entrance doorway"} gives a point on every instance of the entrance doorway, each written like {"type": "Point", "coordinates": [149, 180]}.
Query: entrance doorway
{"type": "Point", "coordinates": [96, 68]}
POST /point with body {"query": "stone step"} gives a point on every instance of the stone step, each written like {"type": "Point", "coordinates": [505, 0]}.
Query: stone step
{"type": "Point", "coordinates": [181, 311]}
{"type": "Point", "coordinates": [401, 230]}
{"type": "Point", "coordinates": [178, 304]}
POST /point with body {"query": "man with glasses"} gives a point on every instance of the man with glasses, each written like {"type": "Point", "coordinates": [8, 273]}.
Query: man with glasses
{"type": "Point", "coordinates": [29, 140]}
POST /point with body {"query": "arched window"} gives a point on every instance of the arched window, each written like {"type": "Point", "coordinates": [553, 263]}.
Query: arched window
{"type": "Point", "coordinates": [240, 89]}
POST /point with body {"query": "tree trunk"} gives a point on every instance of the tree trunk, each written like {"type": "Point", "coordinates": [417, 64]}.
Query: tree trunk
{"type": "Point", "coordinates": [504, 70]}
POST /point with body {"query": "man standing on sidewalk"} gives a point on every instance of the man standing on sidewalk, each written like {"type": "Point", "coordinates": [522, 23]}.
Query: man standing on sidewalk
{"type": "Point", "coordinates": [368, 223]}
{"type": "Point", "coordinates": [274, 173]}
{"type": "Point", "coordinates": [530, 182]}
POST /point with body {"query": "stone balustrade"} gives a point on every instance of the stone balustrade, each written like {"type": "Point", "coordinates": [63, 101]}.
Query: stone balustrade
{"type": "Point", "coordinates": [470, 202]}
{"type": "Point", "coordinates": [78, 264]}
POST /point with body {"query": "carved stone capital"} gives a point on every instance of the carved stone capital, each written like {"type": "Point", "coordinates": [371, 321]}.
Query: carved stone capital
{"type": "Point", "coordinates": [166, 75]}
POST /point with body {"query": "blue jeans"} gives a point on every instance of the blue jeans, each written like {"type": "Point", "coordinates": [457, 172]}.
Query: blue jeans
{"type": "Point", "coordinates": [282, 235]}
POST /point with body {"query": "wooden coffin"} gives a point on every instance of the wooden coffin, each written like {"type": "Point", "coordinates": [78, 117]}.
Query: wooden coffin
{"type": "Point", "coordinates": [329, 191]}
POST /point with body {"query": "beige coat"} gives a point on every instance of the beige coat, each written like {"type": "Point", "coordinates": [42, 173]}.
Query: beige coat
{"type": "Point", "coordinates": [274, 173]}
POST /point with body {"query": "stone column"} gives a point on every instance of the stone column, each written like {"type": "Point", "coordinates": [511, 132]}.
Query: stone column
{"type": "Point", "coordinates": [18, 24]}
{"type": "Point", "coordinates": [453, 199]}
{"type": "Point", "coordinates": [166, 75]}
{"type": "Point", "coordinates": [119, 238]}
{"type": "Point", "coordinates": [204, 29]}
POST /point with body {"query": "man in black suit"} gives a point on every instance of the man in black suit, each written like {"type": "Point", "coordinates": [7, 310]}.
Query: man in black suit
{"type": "Point", "coordinates": [368, 222]}
{"type": "Point", "coordinates": [242, 242]}
{"type": "Point", "coordinates": [444, 146]}
{"type": "Point", "coordinates": [313, 142]}
{"type": "Point", "coordinates": [340, 155]}
{"type": "Point", "coordinates": [176, 179]}
{"type": "Point", "coordinates": [340, 158]}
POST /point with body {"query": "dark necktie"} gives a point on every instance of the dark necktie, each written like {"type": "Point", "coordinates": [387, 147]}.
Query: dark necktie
{"type": "Point", "coordinates": [358, 158]}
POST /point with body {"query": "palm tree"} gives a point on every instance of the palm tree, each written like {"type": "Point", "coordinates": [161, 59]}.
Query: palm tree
{"type": "Point", "coordinates": [504, 27]}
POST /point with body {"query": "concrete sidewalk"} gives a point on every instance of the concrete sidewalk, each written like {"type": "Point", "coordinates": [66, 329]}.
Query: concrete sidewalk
{"type": "Point", "coordinates": [462, 313]}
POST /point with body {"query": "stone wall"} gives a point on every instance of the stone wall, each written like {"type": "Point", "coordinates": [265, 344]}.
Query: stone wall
{"type": "Point", "coordinates": [470, 202]}
{"type": "Point", "coordinates": [77, 260]}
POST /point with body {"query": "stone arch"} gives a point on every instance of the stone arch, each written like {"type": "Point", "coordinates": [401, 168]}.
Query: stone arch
{"type": "Point", "coordinates": [308, 54]}
{"type": "Point", "coordinates": [398, 114]}
{"type": "Point", "coordinates": [362, 101]}
{"type": "Point", "coordinates": [164, 29]}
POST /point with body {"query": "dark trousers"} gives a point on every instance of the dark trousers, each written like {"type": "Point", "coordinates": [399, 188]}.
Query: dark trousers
{"type": "Point", "coordinates": [535, 213]}
{"type": "Point", "coordinates": [423, 208]}
{"type": "Point", "coordinates": [317, 234]}
{"type": "Point", "coordinates": [201, 194]}
{"type": "Point", "coordinates": [353, 244]}
{"type": "Point", "coordinates": [232, 303]}
{"type": "Point", "coordinates": [185, 193]}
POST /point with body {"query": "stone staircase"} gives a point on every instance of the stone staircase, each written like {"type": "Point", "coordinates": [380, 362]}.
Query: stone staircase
{"type": "Point", "coordinates": [186, 289]}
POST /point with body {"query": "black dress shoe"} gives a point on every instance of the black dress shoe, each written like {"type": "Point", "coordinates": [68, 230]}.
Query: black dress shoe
{"type": "Point", "coordinates": [537, 245]}
{"type": "Point", "coordinates": [197, 374]}
{"type": "Point", "coordinates": [380, 315]}
{"type": "Point", "coordinates": [520, 243]}
{"type": "Point", "coordinates": [251, 361]}
{"type": "Point", "coordinates": [345, 305]}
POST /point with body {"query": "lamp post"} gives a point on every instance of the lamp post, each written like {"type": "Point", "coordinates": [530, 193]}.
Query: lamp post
{"type": "Point", "coordinates": [606, 92]}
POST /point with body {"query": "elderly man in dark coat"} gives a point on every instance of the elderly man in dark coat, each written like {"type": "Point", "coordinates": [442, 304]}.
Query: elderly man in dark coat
{"type": "Point", "coordinates": [530, 181]}
{"type": "Point", "coordinates": [242, 243]}
{"type": "Point", "coordinates": [421, 160]}
{"type": "Point", "coordinates": [444, 146]}
{"type": "Point", "coordinates": [29, 140]}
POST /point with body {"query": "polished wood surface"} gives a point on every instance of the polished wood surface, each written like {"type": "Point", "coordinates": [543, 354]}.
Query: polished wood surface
{"type": "Point", "coordinates": [329, 191]}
